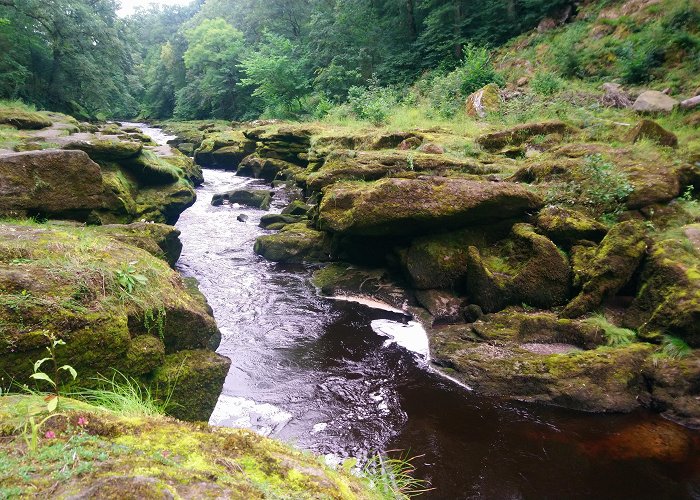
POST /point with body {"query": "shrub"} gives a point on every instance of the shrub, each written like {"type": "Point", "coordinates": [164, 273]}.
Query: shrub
{"type": "Point", "coordinates": [373, 102]}
{"type": "Point", "coordinates": [546, 83]}
{"type": "Point", "coordinates": [565, 51]}
{"type": "Point", "coordinates": [637, 62]}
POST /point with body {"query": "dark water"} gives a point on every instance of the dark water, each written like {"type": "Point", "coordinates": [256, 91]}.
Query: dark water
{"type": "Point", "coordinates": [311, 371]}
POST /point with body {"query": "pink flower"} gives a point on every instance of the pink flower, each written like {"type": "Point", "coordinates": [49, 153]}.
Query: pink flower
{"type": "Point", "coordinates": [82, 421]}
{"type": "Point", "coordinates": [50, 435]}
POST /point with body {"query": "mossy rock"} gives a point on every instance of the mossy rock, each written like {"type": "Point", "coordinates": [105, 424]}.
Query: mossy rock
{"type": "Point", "coordinates": [295, 243]}
{"type": "Point", "coordinates": [265, 168]}
{"type": "Point", "coordinates": [191, 382]}
{"type": "Point", "coordinates": [298, 208]}
{"type": "Point", "coordinates": [224, 150]}
{"type": "Point", "coordinates": [160, 457]}
{"type": "Point", "coordinates": [107, 149]}
{"type": "Point", "coordinates": [159, 240]}
{"type": "Point", "coordinates": [23, 120]}
{"type": "Point", "coordinates": [668, 301]}
{"type": "Point", "coordinates": [279, 220]}
{"type": "Point", "coordinates": [443, 305]}
{"type": "Point", "coordinates": [525, 268]}
{"type": "Point", "coordinates": [484, 101]}
{"type": "Point", "coordinates": [256, 198]}
{"type": "Point", "coordinates": [392, 207]}
{"type": "Point", "coordinates": [519, 134]}
{"type": "Point", "coordinates": [649, 129]}
{"type": "Point", "coordinates": [614, 263]}
{"type": "Point", "coordinates": [565, 225]}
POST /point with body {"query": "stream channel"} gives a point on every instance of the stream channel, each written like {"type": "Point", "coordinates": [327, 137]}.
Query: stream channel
{"type": "Point", "coordinates": [322, 375]}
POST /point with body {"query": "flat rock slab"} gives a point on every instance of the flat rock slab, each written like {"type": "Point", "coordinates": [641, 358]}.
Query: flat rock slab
{"type": "Point", "coordinates": [394, 206]}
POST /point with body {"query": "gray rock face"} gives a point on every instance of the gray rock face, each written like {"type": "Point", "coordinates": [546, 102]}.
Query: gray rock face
{"type": "Point", "coordinates": [653, 101]}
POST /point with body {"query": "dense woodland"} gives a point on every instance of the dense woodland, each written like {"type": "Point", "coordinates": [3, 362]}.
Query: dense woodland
{"type": "Point", "coordinates": [238, 59]}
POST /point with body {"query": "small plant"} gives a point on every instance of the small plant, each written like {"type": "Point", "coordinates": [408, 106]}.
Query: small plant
{"type": "Point", "coordinates": [614, 335]}
{"type": "Point", "coordinates": [123, 395]}
{"type": "Point", "coordinates": [674, 347]}
{"type": "Point", "coordinates": [546, 84]}
{"type": "Point", "coordinates": [393, 477]}
{"type": "Point", "coordinates": [128, 278]}
{"type": "Point", "coordinates": [154, 320]}
{"type": "Point", "coordinates": [373, 102]}
{"type": "Point", "coordinates": [688, 194]}
{"type": "Point", "coordinates": [53, 399]}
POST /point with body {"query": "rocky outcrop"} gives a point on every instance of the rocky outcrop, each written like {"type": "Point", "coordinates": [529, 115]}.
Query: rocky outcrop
{"type": "Point", "coordinates": [652, 101]}
{"type": "Point", "coordinates": [23, 120]}
{"type": "Point", "coordinates": [565, 225]}
{"type": "Point", "coordinates": [256, 198]}
{"type": "Point", "coordinates": [225, 150]}
{"type": "Point", "coordinates": [391, 207]}
{"type": "Point", "coordinates": [484, 101]}
{"type": "Point", "coordinates": [116, 307]}
{"type": "Point", "coordinates": [610, 268]}
{"type": "Point", "coordinates": [52, 183]}
{"type": "Point", "coordinates": [159, 240]}
{"type": "Point", "coordinates": [295, 243]}
{"type": "Point", "coordinates": [517, 135]}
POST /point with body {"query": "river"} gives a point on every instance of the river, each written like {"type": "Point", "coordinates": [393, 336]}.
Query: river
{"type": "Point", "coordinates": [313, 372]}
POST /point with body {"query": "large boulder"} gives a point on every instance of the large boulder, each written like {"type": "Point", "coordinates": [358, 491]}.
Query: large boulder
{"type": "Point", "coordinates": [295, 243]}
{"type": "Point", "coordinates": [611, 266]}
{"type": "Point", "coordinates": [159, 240]}
{"type": "Point", "coordinates": [116, 306]}
{"type": "Point", "coordinates": [23, 120]}
{"type": "Point", "coordinates": [565, 225]}
{"type": "Point", "coordinates": [106, 149]}
{"type": "Point", "coordinates": [649, 129]}
{"type": "Point", "coordinates": [668, 301]}
{"type": "Point", "coordinates": [484, 101]}
{"type": "Point", "coordinates": [391, 207]}
{"type": "Point", "coordinates": [653, 101]}
{"type": "Point", "coordinates": [256, 198]}
{"type": "Point", "coordinates": [265, 168]}
{"type": "Point", "coordinates": [525, 268]}
{"type": "Point", "coordinates": [51, 183]}
{"type": "Point", "coordinates": [224, 151]}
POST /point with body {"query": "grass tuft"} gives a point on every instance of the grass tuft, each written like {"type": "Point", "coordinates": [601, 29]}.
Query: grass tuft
{"type": "Point", "coordinates": [122, 395]}
{"type": "Point", "coordinates": [392, 478]}
{"type": "Point", "coordinates": [614, 335]}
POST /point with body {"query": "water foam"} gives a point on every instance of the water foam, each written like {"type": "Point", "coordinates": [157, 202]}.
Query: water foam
{"type": "Point", "coordinates": [264, 418]}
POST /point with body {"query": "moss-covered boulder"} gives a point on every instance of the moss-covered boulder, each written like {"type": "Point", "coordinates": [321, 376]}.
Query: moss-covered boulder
{"type": "Point", "coordinates": [295, 243]}
{"type": "Point", "coordinates": [278, 221]}
{"type": "Point", "coordinates": [298, 208]}
{"type": "Point", "coordinates": [612, 266]}
{"type": "Point", "coordinates": [565, 225]}
{"type": "Point", "coordinates": [51, 183]}
{"type": "Point", "coordinates": [159, 240]}
{"type": "Point", "coordinates": [99, 295]}
{"type": "Point", "coordinates": [649, 129]}
{"type": "Point", "coordinates": [391, 207]}
{"type": "Point", "coordinates": [256, 198]}
{"type": "Point", "coordinates": [373, 165]}
{"type": "Point", "coordinates": [539, 368]}
{"type": "Point", "coordinates": [106, 149]}
{"type": "Point", "coordinates": [224, 150]}
{"type": "Point", "coordinates": [484, 101]}
{"type": "Point", "coordinates": [519, 134]}
{"type": "Point", "coordinates": [443, 305]}
{"type": "Point", "coordinates": [152, 457]}
{"type": "Point", "coordinates": [265, 168]}
{"type": "Point", "coordinates": [668, 301]}
{"type": "Point", "coordinates": [524, 268]}
{"type": "Point", "coordinates": [23, 119]}
{"type": "Point", "coordinates": [674, 390]}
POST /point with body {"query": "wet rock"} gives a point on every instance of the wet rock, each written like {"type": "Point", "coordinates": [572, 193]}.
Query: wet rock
{"type": "Point", "coordinates": [565, 225]}
{"type": "Point", "coordinates": [297, 207]}
{"type": "Point", "coordinates": [649, 129]}
{"type": "Point", "coordinates": [347, 280]}
{"type": "Point", "coordinates": [521, 133]}
{"type": "Point", "coordinates": [267, 221]}
{"type": "Point", "coordinates": [392, 207]}
{"type": "Point", "coordinates": [193, 379]}
{"type": "Point", "coordinates": [445, 307]}
{"type": "Point", "coordinates": [242, 218]}
{"type": "Point", "coordinates": [484, 101]}
{"type": "Point", "coordinates": [256, 198]}
{"type": "Point", "coordinates": [652, 101]}
{"type": "Point", "coordinates": [673, 388]}
{"type": "Point", "coordinates": [669, 298]}
{"type": "Point", "coordinates": [612, 266]}
{"type": "Point", "coordinates": [526, 268]}
{"type": "Point", "coordinates": [295, 243]}
{"type": "Point", "coordinates": [51, 183]}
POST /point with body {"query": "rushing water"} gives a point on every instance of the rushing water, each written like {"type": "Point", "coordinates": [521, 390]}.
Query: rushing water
{"type": "Point", "coordinates": [314, 372]}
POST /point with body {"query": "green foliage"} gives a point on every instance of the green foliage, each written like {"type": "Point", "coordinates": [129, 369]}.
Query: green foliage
{"type": "Point", "coordinates": [614, 335]}
{"type": "Point", "coordinates": [276, 73]}
{"type": "Point", "coordinates": [54, 379]}
{"type": "Point", "coordinates": [372, 103]}
{"type": "Point", "coordinates": [566, 53]}
{"type": "Point", "coordinates": [674, 347]}
{"type": "Point", "coordinates": [123, 395]}
{"type": "Point", "coordinates": [393, 477]}
{"type": "Point", "coordinates": [597, 186]}
{"type": "Point", "coordinates": [128, 279]}
{"type": "Point", "coordinates": [546, 84]}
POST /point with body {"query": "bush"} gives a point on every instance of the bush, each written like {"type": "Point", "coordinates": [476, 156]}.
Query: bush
{"type": "Point", "coordinates": [637, 62]}
{"type": "Point", "coordinates": [546, 83]}
{"type": "Point", "coordinates": [373, 102]}
{"type": "Point", "coordinates": [566, 54]}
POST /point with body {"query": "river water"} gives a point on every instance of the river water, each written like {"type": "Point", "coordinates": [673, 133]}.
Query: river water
{"type": "Point", "coordinates": [313, 372]}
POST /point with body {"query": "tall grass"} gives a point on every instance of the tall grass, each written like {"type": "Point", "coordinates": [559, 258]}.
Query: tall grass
{"type": "Point", "coordinates": [123, 395]}
{"type": "Point", "coordinates": [392, 478]}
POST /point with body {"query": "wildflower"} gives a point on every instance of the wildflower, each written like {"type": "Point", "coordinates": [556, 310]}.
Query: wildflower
{"type": "Point", "coordinates": [82, 421]}
{"type": "Point", "coordinates": [50, 435]}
